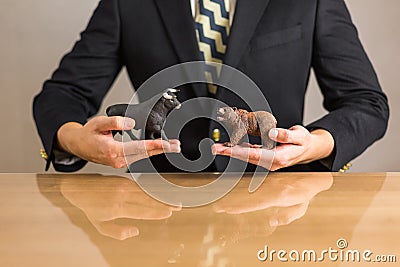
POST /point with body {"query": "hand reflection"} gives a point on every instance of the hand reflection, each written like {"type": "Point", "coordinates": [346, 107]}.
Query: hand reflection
{"type": "Point", "coordinates": [111, 202]}
{"type": "Point", "coordinates": [287, 195]}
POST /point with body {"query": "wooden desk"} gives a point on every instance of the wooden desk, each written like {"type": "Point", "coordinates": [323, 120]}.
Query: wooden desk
{"type": "Point", "coordinates": [100, 220]}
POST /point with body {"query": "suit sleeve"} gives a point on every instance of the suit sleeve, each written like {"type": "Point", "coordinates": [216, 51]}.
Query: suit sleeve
{"type": "Point", "coordinates": [76, 89]}
{"type": "Point", "coordinates": [358, 109]}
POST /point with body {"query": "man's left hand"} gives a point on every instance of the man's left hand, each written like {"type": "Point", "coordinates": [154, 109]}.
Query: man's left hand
{"type": "Point", "coordinates": [295, 146]}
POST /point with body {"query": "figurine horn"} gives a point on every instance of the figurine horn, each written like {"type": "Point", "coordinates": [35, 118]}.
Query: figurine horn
{"type": "Point", "coordinates": [172, 90]}
{"type": "Point", "coordinates": [167, 96]}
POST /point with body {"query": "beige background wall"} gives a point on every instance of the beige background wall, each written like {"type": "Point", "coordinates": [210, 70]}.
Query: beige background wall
{"type": "Point", "coordinates": [35, 34]}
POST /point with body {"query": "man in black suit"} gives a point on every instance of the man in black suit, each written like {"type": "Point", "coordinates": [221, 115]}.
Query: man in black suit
{"type": "Point", "coordinates": [274, 42]}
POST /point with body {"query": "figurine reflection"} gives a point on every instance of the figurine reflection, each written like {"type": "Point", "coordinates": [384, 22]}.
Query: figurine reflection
{"type": "Point", "coordinates": [131, 229]}
{"type": "Point", "coordinates": [279, 201]}
{"type": "Point", "coordinates": [288, 195]}
{"type": "Point", "coordinates": [119, 203]}
{"type": "Point", "coordinates": [117, 199]}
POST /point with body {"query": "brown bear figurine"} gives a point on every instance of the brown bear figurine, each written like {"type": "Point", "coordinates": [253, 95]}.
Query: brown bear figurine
{"type": "Point", "coordinates": [241, 122]}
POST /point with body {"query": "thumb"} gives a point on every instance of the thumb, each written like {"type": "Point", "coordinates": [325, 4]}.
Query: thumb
{"type": "Point", "coordinates": [116, 231]}
{"type": "Point", "coordinates": [103, 123]}
{"type": "Point", "coordinates": [295, 135]}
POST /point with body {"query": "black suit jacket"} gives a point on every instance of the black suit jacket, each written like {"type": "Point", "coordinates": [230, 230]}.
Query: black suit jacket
{"type": "Point", "coordinates": [275, 42]}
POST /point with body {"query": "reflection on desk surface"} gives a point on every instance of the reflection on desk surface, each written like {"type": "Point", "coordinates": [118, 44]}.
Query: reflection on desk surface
{"type": "Point", "coordinates": [280, 200]}
{"type": "Point", "coordinates": [129, 228]}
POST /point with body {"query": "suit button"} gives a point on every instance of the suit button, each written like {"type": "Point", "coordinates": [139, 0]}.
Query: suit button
{"type": "Point", "coordinates": [345, 167]}
{"type": "Point", "coordinates": [216, 135]}
{"type": "Point", "coordinates": [43, 154]}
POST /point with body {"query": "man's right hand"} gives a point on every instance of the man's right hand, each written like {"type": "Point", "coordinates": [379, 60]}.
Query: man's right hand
{"type": "Point", "coordinates": [94, 142]}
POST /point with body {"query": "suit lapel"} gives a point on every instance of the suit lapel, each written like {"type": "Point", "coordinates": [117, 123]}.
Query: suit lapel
{"type": "Point", "coordinates": [247, 15]}
{"type": "Point", "coordinates": [179, 23]}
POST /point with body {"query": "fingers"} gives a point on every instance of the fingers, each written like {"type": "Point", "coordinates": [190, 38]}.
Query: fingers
{"type": "Point", "coordinates": [152, 147]}
{"type": "Point", "coordinates": [175, 141]}
{"type": "Point", "coordinates": [287, 215]}
{"type": "Point", "coordinates": [286, 155]}
{"type": "Point", "coordinates": [96, 144]}
{"type": "Point", "coordinates": [146, 212]}
{"type": "Point", "coordinates": [295, 135]}
{"type": "Point", "coordinates": [128, 160]}
{"type": "Point", "coordinates": [294, 148]}
{"type": "Point", "coordinates": [116, 231]}
{"type": "Point", "coordinates": [238, 207]}
{"type": "Point", "coordinates": [257, 156]}
{"type": "Point", "coordinates": [103, 124]}
{"type": "Point", "coordinates": [130, 152]}
{"type": "Point", "coordinates": [239, 152]}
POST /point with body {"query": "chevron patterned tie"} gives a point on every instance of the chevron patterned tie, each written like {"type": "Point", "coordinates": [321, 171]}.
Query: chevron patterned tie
{"type": "Point", "coordinates": [212, 30]}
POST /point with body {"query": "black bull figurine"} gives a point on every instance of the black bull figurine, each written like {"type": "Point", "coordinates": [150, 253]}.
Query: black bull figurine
{"type": "Point", "coordinates": [149, 115]}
